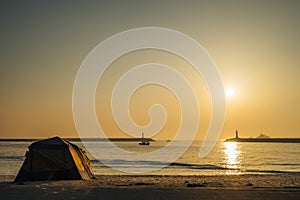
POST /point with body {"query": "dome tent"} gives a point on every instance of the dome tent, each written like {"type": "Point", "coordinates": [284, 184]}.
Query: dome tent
{"type": "Point", "coordinates": [55, 159]}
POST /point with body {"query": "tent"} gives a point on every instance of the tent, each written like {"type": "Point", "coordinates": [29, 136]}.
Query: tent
{"type": "Point", "coordinates": [55, 159]}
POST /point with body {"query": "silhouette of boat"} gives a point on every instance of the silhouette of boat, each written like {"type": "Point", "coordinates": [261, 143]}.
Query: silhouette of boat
{"type": "Point", "coordinates": [144, 141]}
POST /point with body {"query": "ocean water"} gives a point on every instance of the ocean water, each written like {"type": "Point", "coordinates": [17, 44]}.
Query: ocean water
{"type": "Point", "coordinates": [225, 158]}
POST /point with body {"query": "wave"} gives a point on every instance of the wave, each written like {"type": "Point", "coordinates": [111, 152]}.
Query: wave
{"type": "Point", "coordinates": [271, 171]}
{"type": "Point", "coordinates": [157, 163]}
{"type": "Point", "coordinates": [282, 164]}
{"type": "Point", "coordinates": [12, 157]}
{"type": "Point", "coordinates": [199, 166]}
{"type": "Point", "coordinates": [196, 167]}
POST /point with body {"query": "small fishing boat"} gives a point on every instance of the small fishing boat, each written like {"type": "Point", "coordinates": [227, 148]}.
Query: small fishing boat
{"type": "Point", "coordinates": [144, 141]}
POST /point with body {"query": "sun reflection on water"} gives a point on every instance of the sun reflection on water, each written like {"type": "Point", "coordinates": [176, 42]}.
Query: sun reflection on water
{"type": "Point", "coordinates": [232, 157]}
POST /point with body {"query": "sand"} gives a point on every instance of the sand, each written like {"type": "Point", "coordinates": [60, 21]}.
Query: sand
{"type": "Point", "coordinates": [279, 186]}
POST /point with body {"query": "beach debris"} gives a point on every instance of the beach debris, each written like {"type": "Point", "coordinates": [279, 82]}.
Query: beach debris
{"type": "Point", "coordinates": [123, 185]}
{"type": "Point", "coordinates": [135, 184]}
{"type": "Point", "coordinates": [142, 184]}
{"type": "Point", "coordinates": [249, 184]}
{"type": "Point", "coordinates": [203, 184]}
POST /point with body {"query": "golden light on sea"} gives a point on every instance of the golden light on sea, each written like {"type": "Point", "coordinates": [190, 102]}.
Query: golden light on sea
{"type": "Point", "coordinates": [232, 157]}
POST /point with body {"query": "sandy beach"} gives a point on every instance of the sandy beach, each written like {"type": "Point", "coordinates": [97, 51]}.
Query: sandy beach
{"type": "Point", "coordinates": [282, 186]}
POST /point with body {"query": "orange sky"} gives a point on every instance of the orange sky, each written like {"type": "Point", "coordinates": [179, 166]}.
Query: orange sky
{"type": "Point", "coordinates": [255, 46]}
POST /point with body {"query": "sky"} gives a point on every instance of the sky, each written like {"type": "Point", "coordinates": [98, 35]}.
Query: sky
{"type": "Point", "coordinates": [254, 44]}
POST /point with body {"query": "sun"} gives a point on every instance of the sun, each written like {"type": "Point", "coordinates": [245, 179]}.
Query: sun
{"type": "Point", "coordinates": [229, 92]}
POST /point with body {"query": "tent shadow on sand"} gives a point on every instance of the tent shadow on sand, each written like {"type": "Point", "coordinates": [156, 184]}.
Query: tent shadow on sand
{"type": "Point", "coordinates": [55, 159]}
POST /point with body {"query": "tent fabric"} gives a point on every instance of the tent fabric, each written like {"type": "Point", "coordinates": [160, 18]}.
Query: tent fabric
{"type": "Point", "coordinates": [55, 159]}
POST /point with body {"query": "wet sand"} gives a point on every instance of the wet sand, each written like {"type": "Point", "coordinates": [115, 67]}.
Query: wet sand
{"type": "Point", "coordinates": [279, 186]}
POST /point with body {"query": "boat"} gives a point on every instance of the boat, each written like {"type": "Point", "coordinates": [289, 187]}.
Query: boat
{"type": "Point", "coordinates": [144, 141]}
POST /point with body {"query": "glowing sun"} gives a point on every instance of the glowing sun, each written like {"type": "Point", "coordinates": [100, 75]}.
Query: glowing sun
{"type": "Point", "coordinates": [229, 92]}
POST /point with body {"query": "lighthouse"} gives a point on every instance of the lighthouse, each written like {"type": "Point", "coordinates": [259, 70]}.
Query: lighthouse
{"type": "Point", "coordinates": [236, 134]}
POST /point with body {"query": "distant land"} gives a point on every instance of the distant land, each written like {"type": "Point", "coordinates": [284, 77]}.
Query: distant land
{"type": "Point", "coordinates": [76, 139]}
{"type": "Point", "coordinates": [262, 138]}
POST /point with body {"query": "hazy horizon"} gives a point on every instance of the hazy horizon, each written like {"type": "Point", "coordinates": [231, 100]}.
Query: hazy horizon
{"type": "Point", "coordinates": [255, 45]}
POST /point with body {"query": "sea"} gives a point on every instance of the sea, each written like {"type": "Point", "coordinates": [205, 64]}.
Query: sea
{"type": "Point", "coordinates": [225, 158]}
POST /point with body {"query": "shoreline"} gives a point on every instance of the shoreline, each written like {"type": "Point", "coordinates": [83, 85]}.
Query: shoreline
{"type": "Point", "coordinates": [76, 139]}
{"type": "Point", "coordinates": [284, 180]}
{"type": "Point", "coordinates": [271, 186]}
